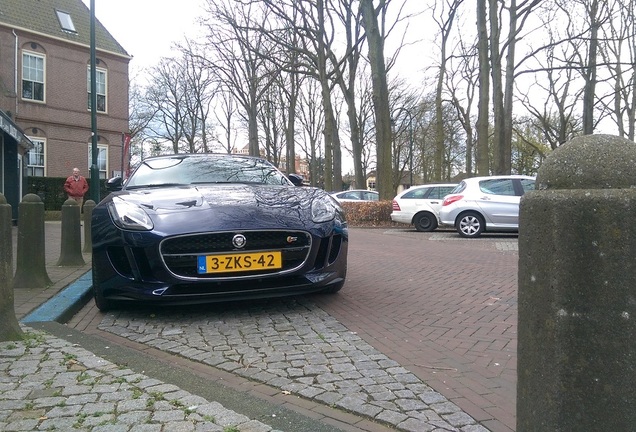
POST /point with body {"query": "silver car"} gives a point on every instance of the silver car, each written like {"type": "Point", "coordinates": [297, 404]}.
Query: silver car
{"type": "Point", "coordinates": [481, 204]}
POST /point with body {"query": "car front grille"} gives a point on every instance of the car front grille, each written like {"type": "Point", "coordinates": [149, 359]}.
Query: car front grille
{"type": "Point", "coordinates": [180, 254]}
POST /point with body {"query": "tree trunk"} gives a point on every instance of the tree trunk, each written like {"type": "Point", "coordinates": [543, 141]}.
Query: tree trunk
{"type": "Point", "coordinates": [482, 160]}
{"type": "Point", "coordinates": [290, 130]}
{"type": "Point", "coordinates": [590, 72]}
{"type": "Point", "coordinates": [380, 100]}
{"type": "Point", "coordinates": [497, 90]}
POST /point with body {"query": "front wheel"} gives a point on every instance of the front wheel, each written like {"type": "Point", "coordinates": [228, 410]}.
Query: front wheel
{"type": "Point", "coordinates": [102, 303]}
{"type": "Point", "coordinates": [470, 225]}
{"type": "Point", "coordinates": [425, 222]}
{"type": "Point", "coordinates": [334, 288]}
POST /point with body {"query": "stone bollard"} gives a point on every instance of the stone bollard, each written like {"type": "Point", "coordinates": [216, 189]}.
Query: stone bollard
{"type": "Point", "coordinates": [71, 248]}
{"type": "Point", "coordinates": [31, 259]}
{"type": "Point", "coordinates": [88, 213]}
{"type": "Point", "coordinates": [9, 327]}
{"type": "Point", "coordinates": [576, 368]}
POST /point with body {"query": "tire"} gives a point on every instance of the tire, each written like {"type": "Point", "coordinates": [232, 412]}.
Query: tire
{"type": "Point", "coordinates": [334, 288]}
{"type": "Point", "coordinates": [470, 224]}
{"type": "Point", "coordinates": [425, 222]}
{"type": "Point", "coordinates": [102, 304]}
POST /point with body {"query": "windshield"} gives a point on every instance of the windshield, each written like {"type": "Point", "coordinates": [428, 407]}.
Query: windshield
{"type": "Point", "coordinates": [203, 169]}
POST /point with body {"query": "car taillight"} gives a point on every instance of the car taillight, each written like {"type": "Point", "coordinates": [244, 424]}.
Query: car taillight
{"type": "Point", "coordinates": [451, 199]}
{"type": "Point", "coordinates": [396, 206]}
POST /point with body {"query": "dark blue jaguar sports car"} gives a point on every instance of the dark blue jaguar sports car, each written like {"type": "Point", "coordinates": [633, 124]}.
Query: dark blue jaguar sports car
{"type": "Point", "coordinates": [200, 228]}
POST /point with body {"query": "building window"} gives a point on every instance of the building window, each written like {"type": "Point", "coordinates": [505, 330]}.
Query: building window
{"type": "Point", "coordinates": [35, 158]}
{"type": "Point", "coordinates": [102, 159]}
{"type": "Point", "coordinates": [371, 184]}
{"type": "Point", "coordinates": [100, 81]}
{"type": "Point", "coordinates": [32, 77]}
{"type": "Point", "coordinates": [66, 22]}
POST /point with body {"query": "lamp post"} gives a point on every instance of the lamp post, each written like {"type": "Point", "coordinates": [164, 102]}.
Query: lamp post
{"type": "Point", "coordinates": [94, 169]}
{"type": "Point", "coordinates": [398, 111]}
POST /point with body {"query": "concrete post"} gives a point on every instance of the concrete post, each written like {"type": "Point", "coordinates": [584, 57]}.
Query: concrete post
{"type": "Point", "coordinates": [577, 290]}
{"type": "Point", "coordinates": [88, 214]}
{"type": "Point", "coordinates": [9, 327]}
{"type": "Point", "coordinates": [71, 248]}
{"type": "Point", "coordinates": [31, 259]}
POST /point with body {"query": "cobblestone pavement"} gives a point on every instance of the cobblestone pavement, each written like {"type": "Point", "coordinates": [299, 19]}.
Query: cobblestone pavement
{"type": "Point", "coordinates": [47, 383]}
{"type": "Point", "coordinates": [294, 346]}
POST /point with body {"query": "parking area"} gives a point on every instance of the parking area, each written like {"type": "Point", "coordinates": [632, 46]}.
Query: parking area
{"type": "Point", "coordinates": [443, 307]}
{"type": "Point", "coordinates": [430, 317]}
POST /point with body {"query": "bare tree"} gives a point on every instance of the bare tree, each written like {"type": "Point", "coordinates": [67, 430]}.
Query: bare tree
{"type": "Point", "coordinates": [309, 20]}
{"type": "Point", "coordinates": [239, 57]}
{"type": "Point", "coordinates": [553, 96]}
{"type": "Point", "coordinates": [619, 54]}
{"type": "Point", "coordinates": [503, 77]}
{"type": "Point", "coordinates": [461, 84]}
{"type": "Point", "coordinates": [200, 89]}
{"type": "Point", "coordinates": [271, 117]}
{"type": "Point", "coordinates": [589, 67]}
{"type": "Point", "coordinates": [347, 76]}
{"type": "Point", "coordinates": [447, 11]}
{"type": "Point", "coordinates": [483, 103]}
{"type": "Point", "coordinates": [311, 119]}
{"type": "Point", "coordinates": [165, 97]}
{"type": "Point", "coordinates": [225, 112]}
{"type": "Point", "coordinates": [375, 41]}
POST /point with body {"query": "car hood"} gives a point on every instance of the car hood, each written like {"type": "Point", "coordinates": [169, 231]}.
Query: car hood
{"type": "Point", "coordinates": [213, 207]}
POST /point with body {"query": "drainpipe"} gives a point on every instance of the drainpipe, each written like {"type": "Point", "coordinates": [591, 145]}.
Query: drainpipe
{"type": "Point", "coordinates": [15, 74]}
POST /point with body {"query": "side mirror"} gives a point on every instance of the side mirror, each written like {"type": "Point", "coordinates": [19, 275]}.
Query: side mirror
{"type": "Point", "coordinates": [295, 179]}
{"type": "Point", "coordinates": [114, 184]}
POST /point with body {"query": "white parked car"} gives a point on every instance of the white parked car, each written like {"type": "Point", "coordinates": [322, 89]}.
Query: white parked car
{"type": "Point", "coordinates": [481, 204]}
{"type": "Point", "coordinates": [419, 206]}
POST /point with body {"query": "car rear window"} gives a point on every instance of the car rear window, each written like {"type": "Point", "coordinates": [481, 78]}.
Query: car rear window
{"type": "Point", "coordinates": [459, 188]}
{"type": "Point", "coordinates": [497, 187]}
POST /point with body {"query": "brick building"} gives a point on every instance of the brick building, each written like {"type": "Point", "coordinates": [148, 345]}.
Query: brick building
{"type": "Point", "coordinates": [45, 91]}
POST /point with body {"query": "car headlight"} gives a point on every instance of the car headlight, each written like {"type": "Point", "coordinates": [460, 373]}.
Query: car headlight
{"type": "Point", "coordinates": [322, 210]}
{"type": "Point", "coordinates": [129, 216]}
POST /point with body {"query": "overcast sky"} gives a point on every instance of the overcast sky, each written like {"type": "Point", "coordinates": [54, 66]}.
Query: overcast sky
{"type": "Point", "coordinates": [147, 28]}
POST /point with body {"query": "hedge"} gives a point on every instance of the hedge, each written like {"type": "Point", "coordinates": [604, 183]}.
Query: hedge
{"type": "Point", "coordinates": [368, 213]}
{"type": "Point", "coordinates": [51, 190]}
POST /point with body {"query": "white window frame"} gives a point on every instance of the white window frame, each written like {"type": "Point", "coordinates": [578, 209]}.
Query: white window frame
{"type": "Point", "coordinates": [66, 21]}
{"type": "Point", "coordinates": [36, 170]}
{"type": "Point", "coordinates": [102, 159]}
{"type": "Point", "coordinates": [26, 67]}
{"type": "Point", "coordinates": [101, 78]}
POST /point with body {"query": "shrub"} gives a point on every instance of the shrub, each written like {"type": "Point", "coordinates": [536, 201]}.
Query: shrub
{"type": "Point", "coordinates": [368, 213]}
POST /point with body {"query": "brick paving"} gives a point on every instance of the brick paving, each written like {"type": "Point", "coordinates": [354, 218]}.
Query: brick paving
{"type": "Point", "coordinates": [444, 308]}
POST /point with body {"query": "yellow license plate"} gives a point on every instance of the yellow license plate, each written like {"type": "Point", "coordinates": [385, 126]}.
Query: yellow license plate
{"type": "Point", "coordinates": [239, 262]}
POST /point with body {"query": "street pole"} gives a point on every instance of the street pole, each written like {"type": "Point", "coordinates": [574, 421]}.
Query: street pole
{"type": "Point", "coordinates": [94, 193]}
